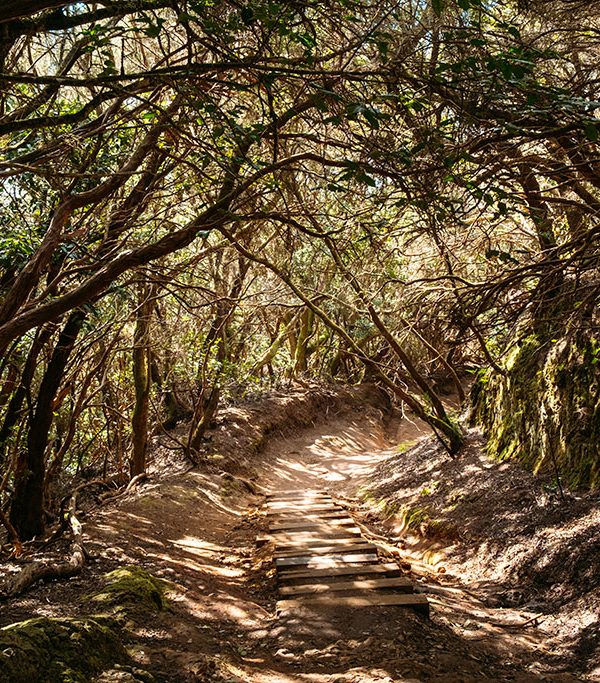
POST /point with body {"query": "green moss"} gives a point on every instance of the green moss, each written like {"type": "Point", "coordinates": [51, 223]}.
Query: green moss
{"type": "Point", "coordinates": [546, 409]}
{"type": "Point", "coordinates": [454, 499]}
{"type": "Point", "coordinates": [131, 590]}
{"type": "Point", "coordinates": [415, 518]}
{"type": "Point", "coordinates": [387, 508]}
{"type": "Point", "coordinates": [429, 489]}
{"type": "Point", "coordinates": [58, 650]}
{"type": "Point", "coordinates": [72, 650]}
{"type": "Point", "coordinates": [418, 519]}
{"type": "Point", "coordinates": [404, 446]}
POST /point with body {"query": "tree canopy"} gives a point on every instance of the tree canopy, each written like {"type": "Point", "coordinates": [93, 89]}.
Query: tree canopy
{"type": "Point", "coordinates": [205, 198]}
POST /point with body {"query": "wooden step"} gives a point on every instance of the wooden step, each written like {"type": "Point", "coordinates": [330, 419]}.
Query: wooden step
{"type": "Point", "coordinates": [315, 534]}
{"type": "Point", "coordinates": [292, 500]}
{"type": "Point", "coordinates": [301, 509]}
{"type": "Point", "coordinates": [412, 600]}
{"type": "Point", "coordinates": [299, 499]}
{"type": "Point", "coordinates": [401, 584]}
{"type": "Point", "coordinates": [297, 493]}
{"type": "Point", "coordinates": [321, 561]}
{"type": "Point", "coordinates": [302, 546]}
{"type": "Point", "coordinates": [281, 518]}
{"type": "Point", "coordinates": [332, 548]}
{"type": "Point", "coordinates": [323, 525]}
{"type": "Point", "coordinates": [318, 536]}
{"type": "Point", "coordinates": [390, 569]}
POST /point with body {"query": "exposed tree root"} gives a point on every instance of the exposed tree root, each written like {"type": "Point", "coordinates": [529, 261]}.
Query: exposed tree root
{"type": "Point", "coordinates": [12, 533]}
{"type": "Point", "coordinates": [47, 571]}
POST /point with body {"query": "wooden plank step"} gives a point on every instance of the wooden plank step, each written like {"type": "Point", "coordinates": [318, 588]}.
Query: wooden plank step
{"type": "Point", "coordinates": [340, 549]}
{"type": "Point", "coordinates": [296, 536]}
{"type": "Point", "coordinates": [311, 516]}
{"type": "Point", "coordinates": [317, 544]}
{"type": "Point", "coordinates": [323, 524]}
{"type": "Point", "coordinates": [321, 561]}
{"type": "Point", "coordinates": [294, 499]}
{"type": "Point", "coordinates": [412, 600]}
{"type": "Point", "coordinates": [317, 536]}
{"type": "Point", "coordinates": [332, 532]}
{"type": "Point", "coordinates": [301, 504]}
{"type": "Point", "coordinates": [299, 509]}
{"type": "Point", "coordinates": [296, 515]}
{"type": "Point", "coordinates": [403, 584]}
{"type": "Point", "coordinates": [299, 496]}
{"type": "Point", "coordinates": [307, 500]}
{"type": "Point", "coordinates": [390, 569]}
{"type": "Point", "coordinates": [297, 492]}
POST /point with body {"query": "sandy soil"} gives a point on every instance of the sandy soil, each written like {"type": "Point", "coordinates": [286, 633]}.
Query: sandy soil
{"type": "Point", "coordinates": [198, 528]}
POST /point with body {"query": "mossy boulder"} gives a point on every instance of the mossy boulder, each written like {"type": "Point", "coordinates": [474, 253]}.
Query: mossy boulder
{"type": "Point", "coordinates": [130, 591]}
{"type": "Point", "coordinates": [74, 650]}
{"type": "Point", "coordinates": [58, 650]}
{"type": "Point", "coordinates": [545, 411]}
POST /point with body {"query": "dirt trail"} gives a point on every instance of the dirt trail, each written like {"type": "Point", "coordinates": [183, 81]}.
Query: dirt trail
{"type": "Point", "coordinates": [466, 639]}
{"type": "Point", "coordinates": [198, 530]}
{"type": "Point", "coordinates": [335, 456]}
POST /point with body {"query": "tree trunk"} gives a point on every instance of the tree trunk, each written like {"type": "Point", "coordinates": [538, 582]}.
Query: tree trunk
{"type": "Point", "coordinates": [276, 344]}
{"type": "Point", "coordinates": [304, 335]}
{"type": "Point", "coordinates": [15, 405]}
{"type": "Point", "coordinates": [27, 507]}
{"type": "Point", "coordinates": [141, 380]}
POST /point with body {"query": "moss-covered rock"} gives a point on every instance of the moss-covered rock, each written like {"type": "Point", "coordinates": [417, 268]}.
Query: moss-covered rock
{"type": "Point", "coordinates": [73, 650]}
{"type": "Point", "coordinates": [545, 412]}
{"type": "Point", "coordinates": [131, 591]}
{"type": "Point", "coordinates": [64, 650]}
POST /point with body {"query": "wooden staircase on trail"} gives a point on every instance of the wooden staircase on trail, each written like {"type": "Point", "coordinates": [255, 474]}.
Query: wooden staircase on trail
{"type": "Point", "coordinates": [322, 559]}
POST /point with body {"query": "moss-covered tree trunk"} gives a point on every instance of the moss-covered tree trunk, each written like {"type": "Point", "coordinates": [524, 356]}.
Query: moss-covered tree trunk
{"type": "Point", "coordinates": [307, 322]}
{"type": "Point", "coordinates": [545, 410]}
{"type": "Point", "coordinates": [141, 379]}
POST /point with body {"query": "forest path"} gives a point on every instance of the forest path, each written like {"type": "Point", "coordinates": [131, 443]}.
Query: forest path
{"type": "Point", "coordinates": [199, 529]}
{"type": "Point", "coordinates": [464, 642]}
{"type": "Point", "coordinates": [223, 626]}
{"type": "Point", "coordinates": [336, 456]}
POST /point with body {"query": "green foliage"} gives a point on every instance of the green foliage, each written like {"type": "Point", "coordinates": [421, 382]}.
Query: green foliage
{"type": "Point", "coordinates": [403, 134]}
{"type": "Point", "coordinates": [17, 244]}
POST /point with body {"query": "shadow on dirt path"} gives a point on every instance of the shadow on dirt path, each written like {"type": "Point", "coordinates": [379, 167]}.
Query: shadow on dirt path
{"type": "Point", "coordinates": [198, 530]}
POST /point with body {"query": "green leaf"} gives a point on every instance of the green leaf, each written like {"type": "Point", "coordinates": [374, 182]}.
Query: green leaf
{"type": "Point", "coordinates": [371, 118]}
{"type": "Point", "coordinates": [247, 15]}
{"type": "Point", "coordinates": [367, 179]}
{"type": "Point", "coordinates": [438, 6]}
{"type": "Point", "coordinates": [152, 31]}
{"type": "Point", "coordinates": [591, 131]}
